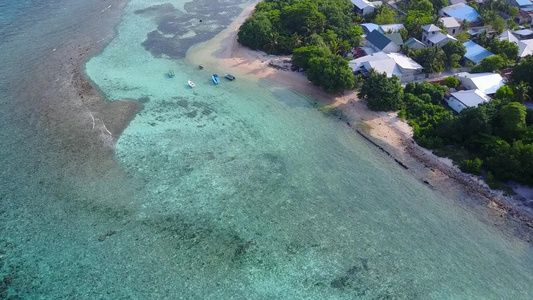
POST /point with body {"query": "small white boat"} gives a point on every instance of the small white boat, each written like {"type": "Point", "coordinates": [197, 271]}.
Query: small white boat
{"type": "Point", "coordinates": [191, 84]}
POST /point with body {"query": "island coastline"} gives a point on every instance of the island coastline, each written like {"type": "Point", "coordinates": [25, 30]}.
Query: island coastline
{"type": "Point", "coordinates": [383, 129]}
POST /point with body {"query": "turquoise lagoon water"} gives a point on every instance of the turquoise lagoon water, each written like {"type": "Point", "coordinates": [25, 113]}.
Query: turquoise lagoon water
{"type": "Point", "coordinates": [237, 191]}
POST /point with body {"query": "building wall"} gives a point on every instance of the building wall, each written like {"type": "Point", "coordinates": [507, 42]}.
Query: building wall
{"type": "Point", "coordinates": [453, 30]}
{"type": "Point", "coordinates": [466, 82]}
{"type": "Point", "coordinates": [455, 104]}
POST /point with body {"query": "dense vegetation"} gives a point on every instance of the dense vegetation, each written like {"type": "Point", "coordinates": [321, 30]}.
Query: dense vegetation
{"type": "Point", "coordinates": [316, 31]}
{"type": "Point", "coordinates": [494, 139]}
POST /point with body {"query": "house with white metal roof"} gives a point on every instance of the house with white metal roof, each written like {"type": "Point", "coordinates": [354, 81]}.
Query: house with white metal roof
{"type": "Point", "coordinates": [463, 99]}
{"type": "Point", "coordinates": [396, 64]}
{"type": "Point", "coordinates": [363, 7]}
{"type": "Point", "coordinates": [487, 83]}
{"type": "Point", "coordinates": [386, 28]}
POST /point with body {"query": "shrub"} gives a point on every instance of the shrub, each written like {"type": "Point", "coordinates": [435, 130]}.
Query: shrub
{"type": "Point", "coordinates": [451, 82]}
{"type": "Point", "coordinates": [471, 166]}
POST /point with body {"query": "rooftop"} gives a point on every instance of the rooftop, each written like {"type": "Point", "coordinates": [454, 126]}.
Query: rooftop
{"type": "Point", "coordinates": [391, 64]}
{"type": "Point", "coordinates": [395, 38]}
{"type": "Point", "coordinates": [523, 32]}
{"type": "Point", "coordinates": [475, 52]}
{"type": "Point", "coordinates": [471, 97]}
{"type": "Point", "coordinates": [450, 22]}
{"type": "Point", "coordinates": [378, 39]}
{"type": "Point", "coordinates": [391, 27]}
{"type": "Point", "coordinates": [523, 2]}
{"type": "Point", "coordinates": [414, 43]}
{"type": "Point", "coordinates": [508, 36]}
{"type": "Point", "coordinates": [487, 83]}
{"type": "Point", "coordinates": [525, 48]}
{"type": "Point", "coordinates": [439, 37]}
{"type": "Point", "coordinates": [430, 28]}
{"type": "Point", "coordinates": [461, 11]}
{"type": "Point", "coordinates": [405, 62]}
{"type": "Point", "coordinates": [369, 27]}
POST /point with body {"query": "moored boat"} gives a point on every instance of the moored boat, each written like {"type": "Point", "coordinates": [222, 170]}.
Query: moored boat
{"type": "Point", "coordinates": [191, 84]}
{"type": "Point", "coordinates": [229, 76]}
{"type": "Point", "coordinates": [215, 79]}
{"type": "Point", "coordinates": [171, 74]}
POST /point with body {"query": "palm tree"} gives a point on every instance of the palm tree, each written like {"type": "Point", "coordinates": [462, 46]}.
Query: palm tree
{"type": "Point", "coordinates": [465, 25]}
{"type": "Point", "coordinates": [272, 45]}
{"type": "Point", "coordinates": [521, 92]}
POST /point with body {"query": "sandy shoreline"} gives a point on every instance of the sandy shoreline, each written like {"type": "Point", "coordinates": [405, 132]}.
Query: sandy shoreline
{"type": "Point", "coordinates": [385, 130]}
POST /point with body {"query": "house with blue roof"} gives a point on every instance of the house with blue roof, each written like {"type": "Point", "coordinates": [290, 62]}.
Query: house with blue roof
{"type": "Point", "coordinates": [475, 53]}
{"type": "Point", "coordinates": [460, 11]}
{"type": "Point", "coordinates": [379, 42]}
{"type": "Point", "coordinates": [369, 27]}
{"type": "Point", "coordinates": [522, 4]}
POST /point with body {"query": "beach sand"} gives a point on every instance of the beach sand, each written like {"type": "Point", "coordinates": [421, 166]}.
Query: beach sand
{"type": "Point", "coordinates": [384, 129]}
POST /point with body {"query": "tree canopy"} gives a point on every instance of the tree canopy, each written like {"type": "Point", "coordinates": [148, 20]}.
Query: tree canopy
{"type": "Point", "coordinates": [382, 93]}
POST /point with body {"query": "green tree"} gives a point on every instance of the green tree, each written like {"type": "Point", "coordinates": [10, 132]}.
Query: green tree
{"type": "Point", "coordinates": [382, 93]}
{"type": "Point", "coordinates": [431, 58]}
{"type": "Point", "coordinates": [385, 15]}
{"type": "Point", "coordinates": [301, 56]}
{"type": "Point", "coordinates": [451, 82]}
{"type": "Point", "coordinates": [505, 93]}
{"type": "Point", "coordinates": [489, 64]}
{"type": "Point", "coordinates": [462, 36]}
{"type": "Point", "coordinates": [512, 121]}
{"type": "Point", "coordinates": [438, 4]}
{"type": "Point", "coordinates": [507, 50]}
{"type": "Point", "coordinates": [332, 73]}
{"type": "Point", "coordinates": [498, 24]}
{"type": "Point", "coordinates": [521, 92]}
{"type": "Point", "coordinates": [415, 19]}
{"type": "Point", "coordinates": [256, 31]}
{"type": "Point", "coordinates": [523, 72]}
{"type": "Point", "coordinates": [454, 52]}
{"type": "Point", "coordinates": [471, 166]}
{"type": "Point", "coordinates": [303, 17]}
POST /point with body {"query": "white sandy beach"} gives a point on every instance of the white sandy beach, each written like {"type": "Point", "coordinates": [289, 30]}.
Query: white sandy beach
{"type": "Point", "coordinates": [390, 133]}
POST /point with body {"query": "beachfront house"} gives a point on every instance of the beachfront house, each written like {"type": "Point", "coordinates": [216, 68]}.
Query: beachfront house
{"type": "Point", "coordinates": [432, 36]}
{"type": "Point", "coordinates": [475, 53]}
{"type": "Point", "coordinates": [451, 25]}
{"type": "Point", "coordinates": [463, 99]}
{"type": "Point", "coordinates": [414, 44]}
{"type": "Point", "coordinates": [363, 7]}
{"type": "Point", "coordinates": [380, 42]}
{"type": "Point", "coordinates": [396, 64]}
{"type": "Point", "coordinates": [487, 83]}
{"type": "Point", "coordinates": [460, 11]}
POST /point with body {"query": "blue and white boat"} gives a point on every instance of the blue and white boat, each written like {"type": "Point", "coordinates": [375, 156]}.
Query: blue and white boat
{"type": "Point", "coordinates": [215, 79]}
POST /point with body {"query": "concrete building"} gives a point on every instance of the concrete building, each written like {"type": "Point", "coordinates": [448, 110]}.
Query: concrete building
{"type": "Point", "coordinates": [428, 31]}
{"type": "Point", "coordinates": [451, 25]}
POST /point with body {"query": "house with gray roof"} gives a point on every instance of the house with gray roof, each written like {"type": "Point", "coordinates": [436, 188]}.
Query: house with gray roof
{"type": "Point", "coordinates": [363, 7]}
{"type": "Point", "coordinates": [386, 28]}
{"type": "Point", "coordinates": [379, 42]}
{"type": "Point", "coordinates": [392, 64]}
{"type": "Point", "coordinates": [439, 39]}
{"type": "Point", "coordinates": [451, 25]}
{"type": "Point", "coordinates": [428, 31]}
{"type": "Point", "coordinates": [414, 44]}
